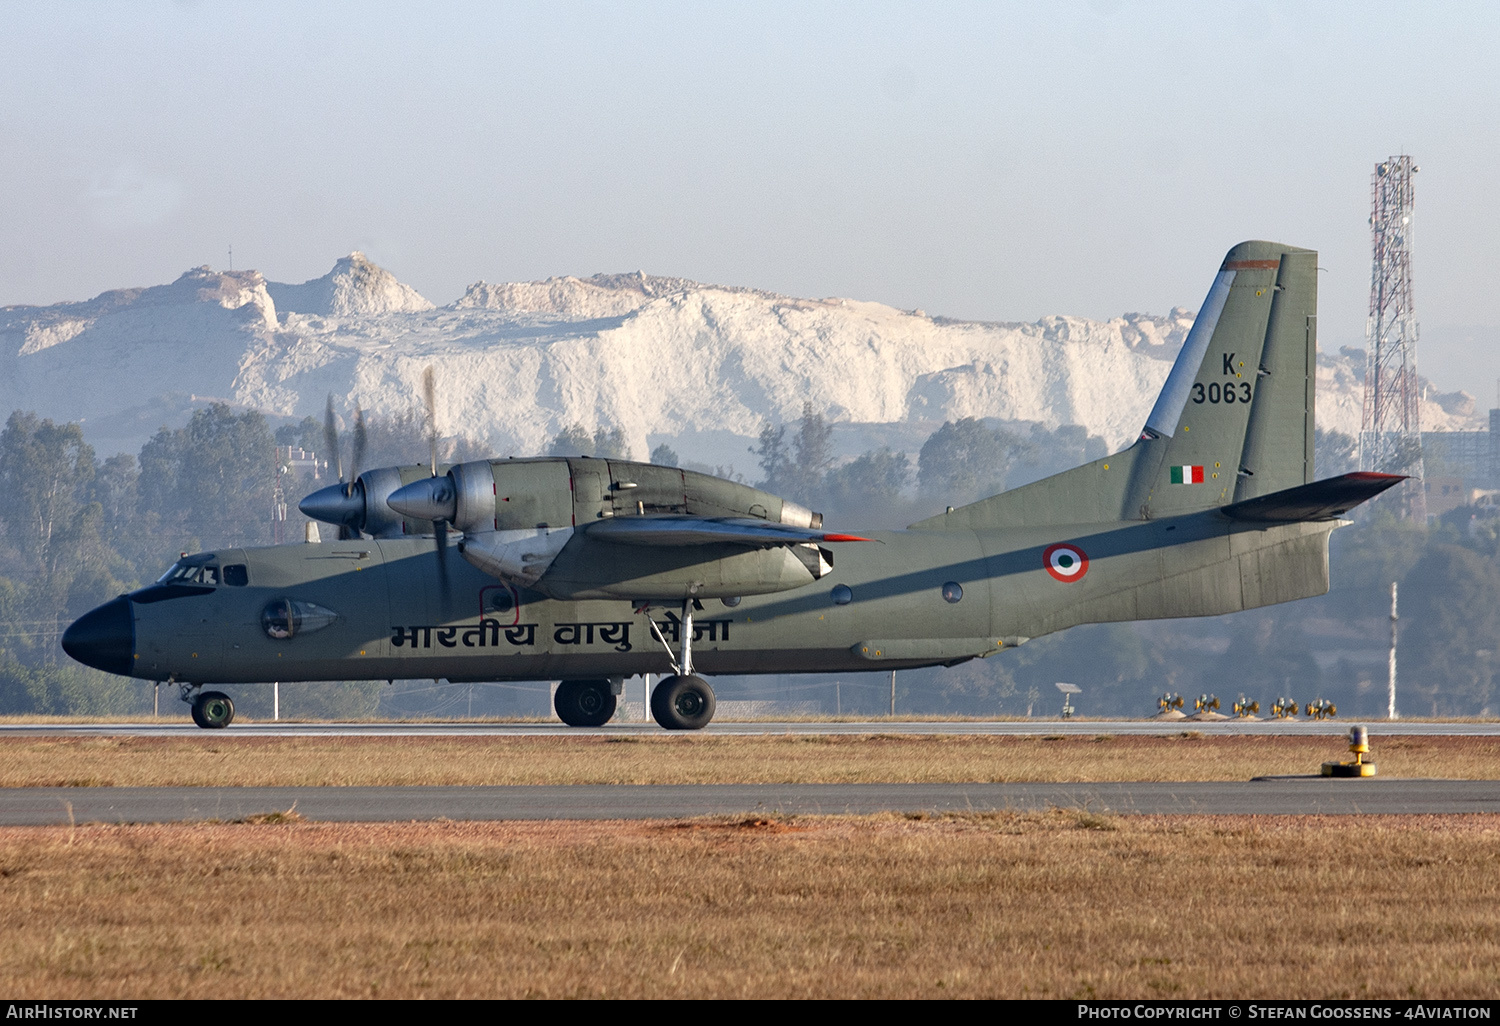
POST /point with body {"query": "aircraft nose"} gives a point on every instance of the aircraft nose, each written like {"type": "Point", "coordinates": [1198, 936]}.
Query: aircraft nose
{"type": "Point", "coordinates": [104, 638]}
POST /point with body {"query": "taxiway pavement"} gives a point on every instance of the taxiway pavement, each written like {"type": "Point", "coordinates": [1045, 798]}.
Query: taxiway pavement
{"type": "Point", "coordinates": [33, 806]}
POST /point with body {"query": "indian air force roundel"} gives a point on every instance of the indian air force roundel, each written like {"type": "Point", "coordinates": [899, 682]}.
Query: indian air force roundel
{"type": "Point", "coordinates": [1065, 562]}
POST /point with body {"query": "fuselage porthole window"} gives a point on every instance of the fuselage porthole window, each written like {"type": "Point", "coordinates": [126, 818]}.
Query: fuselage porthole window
{"type": "Point", "coordinates": [952, 591]}
{"type": "Point", "coordinates": [841, 595]}
{"type": "Point", "coordinates": [285, 618]}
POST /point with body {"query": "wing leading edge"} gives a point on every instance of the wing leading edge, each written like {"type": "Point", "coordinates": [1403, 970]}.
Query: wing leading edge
{"type": "Point", "coordinates": [669, 530]}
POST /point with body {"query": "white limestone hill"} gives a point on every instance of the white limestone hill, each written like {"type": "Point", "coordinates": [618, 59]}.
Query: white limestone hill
{"type": "Point", "coordinates": [659, 358]}
{"type": "Point", "coordinates": [355, 287]}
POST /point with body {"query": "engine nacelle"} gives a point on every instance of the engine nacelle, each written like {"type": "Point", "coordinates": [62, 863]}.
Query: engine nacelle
{"type": "Point", "coordinates": [525, 522]}
{"type": "Point", "coordinates": [550, 493]}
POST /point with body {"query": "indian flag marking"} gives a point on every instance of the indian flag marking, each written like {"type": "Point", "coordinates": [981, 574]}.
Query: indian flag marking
{"type": "Point", "coordinates": [1065, 562]}
{"type": "Point", "coordinates": [1187, 475]}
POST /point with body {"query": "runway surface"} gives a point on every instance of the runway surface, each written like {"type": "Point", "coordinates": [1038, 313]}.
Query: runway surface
{"type": "Point", "coordinates": [185, 728]}
{"type": "Point", "coordinates": [35, 806]}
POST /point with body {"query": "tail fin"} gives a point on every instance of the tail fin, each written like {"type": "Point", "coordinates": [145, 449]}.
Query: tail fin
{"type": "Point", "coordinates": [1234, 420]}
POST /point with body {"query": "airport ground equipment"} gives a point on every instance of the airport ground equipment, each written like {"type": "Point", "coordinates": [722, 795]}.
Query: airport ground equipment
{"type": "Point", "coordinates": [589, 570]}
{"type": "Point", "coordinates": [1321, 709]}
{"type": "Point", "coordinates": [1068, 691]}
{"type": "Point", "coordinates": [1245, 708]}
{"type": "Point", "coordinates": [1359, 746]}
{"type": "Point", "coordinates": [1169, 701]}
{"type": "Point", "coordinates": [1284, 709]}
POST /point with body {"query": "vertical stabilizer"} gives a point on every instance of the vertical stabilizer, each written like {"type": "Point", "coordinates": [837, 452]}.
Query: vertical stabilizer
{"type": "Point", "coordinates": [1234, 419]}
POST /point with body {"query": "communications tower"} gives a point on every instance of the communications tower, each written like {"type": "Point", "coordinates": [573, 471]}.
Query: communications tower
{"type": "Point", "coordinates": [1390, 437]}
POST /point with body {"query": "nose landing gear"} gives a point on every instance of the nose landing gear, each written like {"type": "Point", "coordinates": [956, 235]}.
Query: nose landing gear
{"type": "Point", "coordinates": [212, 710]}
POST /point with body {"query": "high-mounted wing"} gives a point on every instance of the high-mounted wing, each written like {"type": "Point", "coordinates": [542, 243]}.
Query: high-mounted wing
{"type": "Point", "coordinates": [669, 530]}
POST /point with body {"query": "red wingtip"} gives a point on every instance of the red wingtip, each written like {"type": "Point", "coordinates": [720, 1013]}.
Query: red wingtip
{"type": "Point", "coordinates": [844, 537]}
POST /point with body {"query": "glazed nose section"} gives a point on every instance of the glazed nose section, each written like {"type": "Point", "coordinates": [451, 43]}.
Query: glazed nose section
{"type": "Point", "coordinates": [104, 638]}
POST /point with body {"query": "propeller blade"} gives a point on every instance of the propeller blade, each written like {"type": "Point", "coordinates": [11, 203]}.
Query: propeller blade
{"type": "Point", "coordinates": [440, 536]}
{"type": "Point", "coordinates": [429, 393]}
{"type": "Point", "coordinates": [361, 439]}
{"type": "Point", "coordinates": [331, 439]}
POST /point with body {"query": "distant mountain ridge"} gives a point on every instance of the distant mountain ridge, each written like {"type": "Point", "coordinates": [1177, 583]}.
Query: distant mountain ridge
{"type": "Point", "coordinates": [657, 357]}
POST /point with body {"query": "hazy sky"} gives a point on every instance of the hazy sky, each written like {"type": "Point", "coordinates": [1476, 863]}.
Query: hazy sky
{"type": "Point", "coordinates": [984, 161]}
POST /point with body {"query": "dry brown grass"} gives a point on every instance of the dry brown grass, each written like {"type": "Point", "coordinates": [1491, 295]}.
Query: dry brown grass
{"type": "Point", "coordinates": [225, 760]}
{"type": "Point", "coordinates": [1061, 904]}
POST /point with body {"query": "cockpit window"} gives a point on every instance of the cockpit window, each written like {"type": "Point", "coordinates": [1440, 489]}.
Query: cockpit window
{"type": "Point", "coordinates": [191, 573]}
{"type": "Point", "coordinates": [236, 575]}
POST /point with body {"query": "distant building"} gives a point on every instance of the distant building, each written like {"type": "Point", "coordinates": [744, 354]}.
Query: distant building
{"type": "Point", "coordinates": [1473, 456]}
{"type": "Point", "coordinates": [1445, 494]}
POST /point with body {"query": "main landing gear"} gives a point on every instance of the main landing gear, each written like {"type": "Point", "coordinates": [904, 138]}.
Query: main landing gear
{"type": "Point", "coordinates": [585, 703]}
{"type": "Point", "coordinates": [212, 710]}
{"type": "Point", "coordinates": [683, 700]}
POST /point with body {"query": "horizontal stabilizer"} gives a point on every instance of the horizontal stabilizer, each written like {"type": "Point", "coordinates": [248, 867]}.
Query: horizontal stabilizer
{"type": "Point", "coordinates": [1320, 500]}
{"type": "Point", "coordinates": [680, 530]}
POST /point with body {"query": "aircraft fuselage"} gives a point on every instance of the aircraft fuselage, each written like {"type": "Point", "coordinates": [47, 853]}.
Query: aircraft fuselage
{"type": "Point", "coordinates": [372, 609]}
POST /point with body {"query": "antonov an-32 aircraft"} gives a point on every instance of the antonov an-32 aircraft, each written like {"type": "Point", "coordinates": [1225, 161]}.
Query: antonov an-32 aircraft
{"type": "Point", "coordinates": [589, 570]}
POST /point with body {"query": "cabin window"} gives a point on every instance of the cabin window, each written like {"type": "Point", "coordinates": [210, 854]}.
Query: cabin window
{"type": "Point", "coordinates": [841, 595]}
{"type": "Point", "coordinates": [236, 575]}
{"type": "Point", "coordinates": [952, 591]}
{"type": "Point", "coordinates": [285, 618]}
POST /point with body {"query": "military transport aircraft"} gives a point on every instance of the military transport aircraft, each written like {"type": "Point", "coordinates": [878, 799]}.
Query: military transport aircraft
{"type": "Point", "coordinates": [591, 570]}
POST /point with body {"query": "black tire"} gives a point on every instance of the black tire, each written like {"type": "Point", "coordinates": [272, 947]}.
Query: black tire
{"type": "Point", "coordinates": [213, 710]}
{"type": "Point", "coordinates": [584, 703]}
{"type": "Point", "coordinates": [683, 703]}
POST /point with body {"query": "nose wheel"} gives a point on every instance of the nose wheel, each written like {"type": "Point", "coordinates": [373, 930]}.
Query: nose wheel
{"type": "Point", "coordinates": [212, 710]}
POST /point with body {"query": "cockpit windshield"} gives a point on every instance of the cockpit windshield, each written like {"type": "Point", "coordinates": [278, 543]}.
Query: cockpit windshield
{"type": "Point", "coordinates": [183, 572]}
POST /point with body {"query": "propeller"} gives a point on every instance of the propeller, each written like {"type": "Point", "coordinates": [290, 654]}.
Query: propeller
{"type": "Point", "coordinates": [331, 439]}
{"type": "Point", "coordinates": [439, 523]}
{"type": "Point", "coordinates": [361, 440]}
{"type": "Point", "coordinates": [344, 504]}
{"type": "Point", "coordinates": [429, 394]}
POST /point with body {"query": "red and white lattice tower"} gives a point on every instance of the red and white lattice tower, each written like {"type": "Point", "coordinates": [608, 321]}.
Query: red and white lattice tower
{"type": "Point", "coordinates": [1391, 430]}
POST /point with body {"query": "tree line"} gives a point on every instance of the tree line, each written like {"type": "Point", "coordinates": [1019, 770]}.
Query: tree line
{"type": "Point", "coordinates": [79, 529]}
